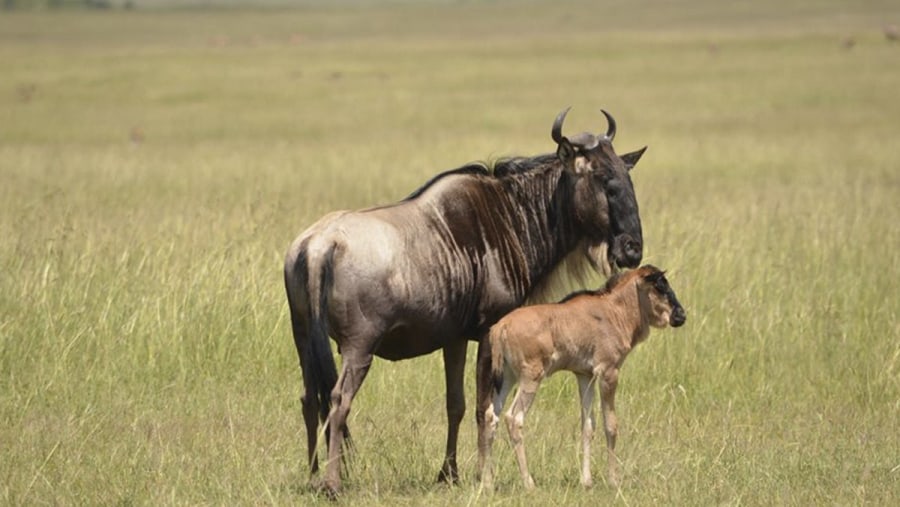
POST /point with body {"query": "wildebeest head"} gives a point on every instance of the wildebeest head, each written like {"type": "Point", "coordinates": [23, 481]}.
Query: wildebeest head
{"type": "Point", "coordinates": [605, 205]}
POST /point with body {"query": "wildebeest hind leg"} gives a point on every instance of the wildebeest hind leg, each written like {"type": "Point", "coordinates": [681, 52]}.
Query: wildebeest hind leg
{"type": "Point", "coordinates": [482, 388]}
{"type": "Point", "coordinates": [454, 372]}
{"type": "Point", "coordinates": [354, 368]}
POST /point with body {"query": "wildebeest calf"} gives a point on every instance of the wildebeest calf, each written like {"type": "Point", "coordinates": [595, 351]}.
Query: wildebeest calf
{"type": "Point", "coordinates": [588, 333]}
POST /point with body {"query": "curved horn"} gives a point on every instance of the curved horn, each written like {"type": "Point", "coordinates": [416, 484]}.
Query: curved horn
{"type": "Point", "coordinates": [556, 133]}
{"type": "Point", "coordinates": [611, 132]}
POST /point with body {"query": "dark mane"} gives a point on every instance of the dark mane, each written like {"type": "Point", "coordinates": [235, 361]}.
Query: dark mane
{"type": "Point", "coordinates": [473, 168]}
{"type": "Point", "coordinates": [519, 165]}
{"type": "Point", "coordinates": [611, 283]}
{"type": "Point", "coordinates": [499, 169]}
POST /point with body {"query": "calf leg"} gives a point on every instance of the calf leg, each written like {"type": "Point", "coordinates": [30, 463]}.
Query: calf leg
{"type": "Point", "coordinates": [610, 425]}
{"type": "Point", "coordinates": [486, 438]}
{"type": "Point", "coordinates": [454, 370]}
{"type": "Point", "coordinates": [586, 393]}
{"type": "Point", "coordinates": [515, 423]}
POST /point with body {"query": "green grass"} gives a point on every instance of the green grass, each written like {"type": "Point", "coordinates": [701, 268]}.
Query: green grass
{"type": "Point", "coordinates": [145, 351]}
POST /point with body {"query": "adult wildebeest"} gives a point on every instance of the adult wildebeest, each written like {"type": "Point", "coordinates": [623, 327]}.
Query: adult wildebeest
{"type": "Point", "coordinates": [441, 266]}
{"type": "Point", "coordinates": [589, 333]}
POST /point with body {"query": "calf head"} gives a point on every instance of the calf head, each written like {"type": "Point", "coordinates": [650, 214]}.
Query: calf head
{"type": "Point", "coordinates": [664, 307]}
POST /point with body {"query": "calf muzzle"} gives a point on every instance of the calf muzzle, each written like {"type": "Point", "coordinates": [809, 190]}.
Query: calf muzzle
{"type": "Point", "coordinates": [678, 317]}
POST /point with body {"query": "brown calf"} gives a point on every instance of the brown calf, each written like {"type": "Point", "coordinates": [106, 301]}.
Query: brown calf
{"type": "Point", "coordinates": [588, 333]}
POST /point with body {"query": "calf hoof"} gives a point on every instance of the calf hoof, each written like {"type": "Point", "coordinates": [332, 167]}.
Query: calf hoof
{"type": "Point", "coordinates": [614, 481]}
{"type": "Point", "coordinates": [529, 483]}
{"type": "Point", "coordinates": [330, 490]}
{"type": "Point", "coordinates": [332, 493]}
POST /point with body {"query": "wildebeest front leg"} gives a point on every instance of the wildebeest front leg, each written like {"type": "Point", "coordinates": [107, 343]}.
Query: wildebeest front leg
{"type": "Point", "coordinates": [353, 372]}
{"type": "Point", "coordinates": [454, 372]}
{"type": "Point", "coordinates": [608, 404]}
{"type": "Point", "coordinates": [586, 393]}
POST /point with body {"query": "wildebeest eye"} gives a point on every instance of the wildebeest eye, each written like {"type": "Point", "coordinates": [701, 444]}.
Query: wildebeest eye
{"type": "Point", "coordinates": [613, 187]}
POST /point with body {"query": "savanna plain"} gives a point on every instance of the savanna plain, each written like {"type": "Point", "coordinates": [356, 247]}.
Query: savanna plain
{"type": "Point", "coordinates": [155, 164]}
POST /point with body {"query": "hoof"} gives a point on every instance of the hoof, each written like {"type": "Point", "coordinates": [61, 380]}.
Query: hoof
{"type": "Point", "coordinates": [614, 482]}
{"type": "Point", "coordinates": [448, 476]}
{"type": "Point", "coordinates": [330, 491]}
{"type": "Point", "coordinates": [315, 484]}
{"type": "Point", "coordinates": [529, 483]}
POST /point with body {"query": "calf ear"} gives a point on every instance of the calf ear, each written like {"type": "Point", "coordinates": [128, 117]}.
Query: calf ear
{"type": "Point", "coordinates": [631, 159]}
{"type": "Point", "coordinates": [566, 153]}
{"type": "Point", "coordinates": [655, 276]}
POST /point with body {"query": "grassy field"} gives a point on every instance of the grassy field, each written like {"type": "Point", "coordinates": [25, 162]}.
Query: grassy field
{"type": "Point", "coordinates": [154, 166]}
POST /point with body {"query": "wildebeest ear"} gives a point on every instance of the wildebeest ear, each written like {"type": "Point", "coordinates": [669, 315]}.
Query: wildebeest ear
{"type": "Point", "coordinates": [632, 158]}
{"type": "Point", "coordinates": [565, 152]}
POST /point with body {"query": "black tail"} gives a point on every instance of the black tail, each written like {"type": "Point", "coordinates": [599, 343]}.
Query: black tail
{"type": "Point", "coordinates": [308, 282]}
{"type": "Point", "coordinates": [311, 332]}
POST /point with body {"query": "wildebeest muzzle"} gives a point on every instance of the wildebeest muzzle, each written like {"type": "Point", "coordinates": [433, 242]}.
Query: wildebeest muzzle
{"type": "Point", "coordinates": [627, 251]}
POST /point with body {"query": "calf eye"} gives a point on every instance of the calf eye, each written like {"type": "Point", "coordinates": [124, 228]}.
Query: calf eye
{"type": "Point", "coordinates": [662, 286]}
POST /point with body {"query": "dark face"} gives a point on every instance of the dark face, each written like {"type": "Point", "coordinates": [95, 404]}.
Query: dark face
{"type": "Point", "coordinates": [627, 243]}
{"type": "Point", "coordinates": [661, 287]}
{"type": "Point", "coordinates": [605, 203]}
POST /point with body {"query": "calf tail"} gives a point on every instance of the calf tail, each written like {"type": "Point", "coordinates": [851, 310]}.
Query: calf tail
{"type": "Point", "coordinates": [497, 360]}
